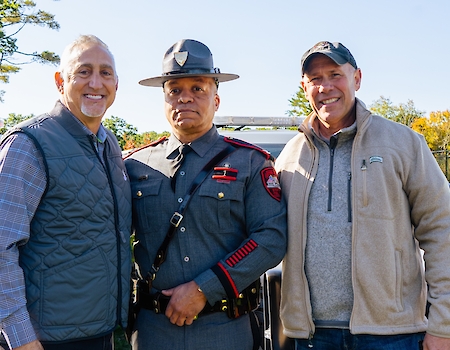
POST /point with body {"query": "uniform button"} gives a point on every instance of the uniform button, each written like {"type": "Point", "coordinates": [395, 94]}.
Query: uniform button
{"type": "Point", "coordinates": [186, 259]}
{"type": "Point", "coordinates": [182, 229]}
{"type": "Point", "coordinates": [182, 173]}
{"type": "Point", "coordinates": [180, 200]}
{"type": "Point", "coordinates": [220, 195]}
{"type": "Point", "coordinates": [139, 193]}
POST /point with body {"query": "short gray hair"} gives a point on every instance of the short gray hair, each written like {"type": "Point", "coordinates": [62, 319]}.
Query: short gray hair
{"type": "Point", "coordinates": [81, 41]}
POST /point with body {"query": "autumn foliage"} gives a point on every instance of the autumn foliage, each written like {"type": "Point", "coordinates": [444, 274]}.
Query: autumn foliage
{"type": "Point", "coordinates": [436, 129]}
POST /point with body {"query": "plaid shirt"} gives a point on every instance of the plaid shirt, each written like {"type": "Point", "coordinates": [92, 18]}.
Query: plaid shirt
{"type": "Point", "coordinates": [22, 184]}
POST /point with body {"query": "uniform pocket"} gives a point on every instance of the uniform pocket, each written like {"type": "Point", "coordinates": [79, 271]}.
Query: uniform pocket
{"type": "Point", "coordinates": [218, 201]}
{"type": "Point", "coordinates": [145, 202]}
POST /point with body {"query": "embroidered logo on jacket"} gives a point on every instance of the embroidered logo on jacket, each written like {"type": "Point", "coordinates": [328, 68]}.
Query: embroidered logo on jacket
{"type": "Point", "coordinates": [376, 159]}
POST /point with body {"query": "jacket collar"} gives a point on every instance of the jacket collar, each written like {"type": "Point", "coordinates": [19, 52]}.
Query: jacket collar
{"type": "Point", "coordinates": [200, 146]}
{"type": "Point", "coordinates": [362, 115]}
{"type": "Point", "coordinates": [71, 124]}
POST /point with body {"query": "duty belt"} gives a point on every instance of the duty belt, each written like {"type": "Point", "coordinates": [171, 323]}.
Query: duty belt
{"type": "Point", "coordinates": [247, 301]}
{"type": "Point", "coordinates": [158, 302]}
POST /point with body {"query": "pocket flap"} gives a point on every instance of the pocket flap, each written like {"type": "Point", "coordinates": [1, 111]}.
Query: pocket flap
{"type": "Point", "coordinates": [143, 189]}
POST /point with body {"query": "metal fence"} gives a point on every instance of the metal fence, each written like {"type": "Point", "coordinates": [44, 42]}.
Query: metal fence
{"type": "Point", "coordinates": [442, 157]}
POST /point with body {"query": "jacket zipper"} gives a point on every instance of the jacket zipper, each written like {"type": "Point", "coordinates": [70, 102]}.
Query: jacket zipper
{"type": "Point", "coordinates": [120, 237]}
{"type": "Point", "coordinates": [310, 338]}
{"type": "Point", "coordinates": [364, 171]}
{"type": "Point", "coordinates": [333, 142]}
{"type": "Point", "coordinates": [349, 196]}
{"type": "Point", "coordinates": [119, 234]}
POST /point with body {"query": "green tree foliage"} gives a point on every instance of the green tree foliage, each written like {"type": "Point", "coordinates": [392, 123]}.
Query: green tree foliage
{"type": "Point", "coordinates": [121, 129]}
{"type": "Point", "coordinates": [144, 139]}
{"type": "Point", "coordinates": [127, 134]}
{"type": "Point", "coordinates": [12, 120]}
{"type": "Point", "coordinates": [300, 105]}
{"type": "Point", "coordinates": [14, 15]}
{"type": "Point", "coordinates": [403, 113]}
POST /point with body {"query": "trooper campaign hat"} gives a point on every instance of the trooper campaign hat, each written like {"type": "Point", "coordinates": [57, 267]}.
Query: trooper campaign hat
{"type": "Point", "coordinates": [336, 51]}
{"type": "Point", "coordinates": [188, 58]}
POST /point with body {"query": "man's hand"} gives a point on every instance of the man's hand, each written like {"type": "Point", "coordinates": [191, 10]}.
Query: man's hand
{"type": "Point", "coordinates": [186, 301]}
{"type": "Point", "coordinates": [432, 342]}
{"type": "Point", "coordinates": [34, 345]}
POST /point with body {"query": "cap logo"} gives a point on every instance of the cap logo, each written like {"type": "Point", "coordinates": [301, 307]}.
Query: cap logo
{"type": "Point", "coordinates": [181, 57]}
{"type": "Point", "coordinates": [323, 45]}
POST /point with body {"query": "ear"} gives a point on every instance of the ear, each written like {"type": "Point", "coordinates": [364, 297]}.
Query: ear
{"type": "Point", "coordinates": [304, 89]}
{"type": "Point", "coordinates": [358, 77]}
{"type": "Point", "coordinates": [216, 102]}
{"type": "Point", "coordinates": [59, 81]}
{"type": "Point", "coordinates": [117, 83]}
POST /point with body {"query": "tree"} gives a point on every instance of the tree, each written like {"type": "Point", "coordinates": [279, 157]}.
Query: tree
{"type": "Point", "coordinates": [384, 107]}
{"type": "Point", "coordinates": [14, 15]}
{"type": "Point", "coordinates": [403, 113]}
{"type": "Point", "coordinates": [12, 120]}
{"type": "Point", "coordinates": [407, 113]}
{"type": "Point", "coordinates": [123, 131]}
{"type": "Point", "coordinates": [300, 105]}
{"type": "Point", "coordinates": [151, 136]}
{"type": "Point", "coordinates": [435, 129]}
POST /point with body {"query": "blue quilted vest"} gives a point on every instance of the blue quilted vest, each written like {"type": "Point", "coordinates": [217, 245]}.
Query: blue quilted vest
{"type": "Point", "coordinates": [77, 261]}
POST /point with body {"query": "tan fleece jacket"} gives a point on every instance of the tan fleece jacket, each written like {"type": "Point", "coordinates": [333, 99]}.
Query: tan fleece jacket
{"type": "Point", "coordinates": [400, 198]}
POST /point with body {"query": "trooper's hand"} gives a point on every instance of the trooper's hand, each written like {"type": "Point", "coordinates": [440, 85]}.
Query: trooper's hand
{"type": "Point", "coordinates": [186, 302]}
{"type": "Point", "coordinates": [432, 342]}
{"type": "Point", "coordinates": [34, 345]}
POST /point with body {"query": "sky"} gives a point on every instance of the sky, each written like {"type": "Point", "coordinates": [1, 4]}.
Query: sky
{"type": "Point", "coordinates": [401, 46]}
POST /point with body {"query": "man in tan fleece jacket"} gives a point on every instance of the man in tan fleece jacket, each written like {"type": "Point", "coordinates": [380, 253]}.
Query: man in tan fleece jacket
{"type": "Point", "coordinates": [364, 195]}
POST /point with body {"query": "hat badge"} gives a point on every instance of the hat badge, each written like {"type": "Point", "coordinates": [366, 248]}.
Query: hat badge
{"type": "Point", "coordinates": [181, 57]}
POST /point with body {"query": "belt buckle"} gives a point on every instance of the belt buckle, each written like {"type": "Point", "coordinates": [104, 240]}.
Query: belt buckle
{"type": "Point", "coordinates": [176, 218]}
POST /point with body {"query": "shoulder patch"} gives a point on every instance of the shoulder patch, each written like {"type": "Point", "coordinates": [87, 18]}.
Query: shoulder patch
{"type": "Point", "coordinates": [241, 143]}
{"type": "Point", "coordinates": [271, 184]}
{"type": "Point", "coordinates": [152, 144]}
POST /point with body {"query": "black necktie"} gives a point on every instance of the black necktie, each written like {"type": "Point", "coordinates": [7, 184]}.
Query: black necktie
{"type": "Point", "coordinates": [176, 163]}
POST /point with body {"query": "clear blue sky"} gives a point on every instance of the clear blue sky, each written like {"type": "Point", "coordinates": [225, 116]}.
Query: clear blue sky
{"type": "Point", "coordinates": [401, 46]}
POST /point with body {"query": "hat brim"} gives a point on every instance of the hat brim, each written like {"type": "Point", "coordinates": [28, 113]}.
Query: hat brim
{"type": "Point", "coordinates": [338, 59]}
{"type": "Point", "coordinates": [159, 81]}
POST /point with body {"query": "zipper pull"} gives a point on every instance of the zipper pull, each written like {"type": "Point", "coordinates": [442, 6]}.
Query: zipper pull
{"type": "Point", "coordinates": [310, 344]}
{"type": "Point", "coordinates": [364, 166]}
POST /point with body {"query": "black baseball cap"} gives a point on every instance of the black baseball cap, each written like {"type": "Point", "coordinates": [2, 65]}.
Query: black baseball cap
{"type": "Point", "coordinates": [336, 51]}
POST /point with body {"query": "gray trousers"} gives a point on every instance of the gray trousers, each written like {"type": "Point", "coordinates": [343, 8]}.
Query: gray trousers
{"type": "Point", "coordinates": [214, 331]}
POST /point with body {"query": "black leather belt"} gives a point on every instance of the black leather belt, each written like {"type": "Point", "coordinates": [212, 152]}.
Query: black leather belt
{"type": "Point", "coordinates": [158, 302]}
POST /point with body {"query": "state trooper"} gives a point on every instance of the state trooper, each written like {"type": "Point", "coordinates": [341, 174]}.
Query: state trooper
{"type": "Point", "coordinates": [215, 203]}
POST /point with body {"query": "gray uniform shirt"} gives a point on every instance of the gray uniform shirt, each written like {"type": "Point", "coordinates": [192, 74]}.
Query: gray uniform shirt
{"type": "Point", "coordinates": [236, 222]}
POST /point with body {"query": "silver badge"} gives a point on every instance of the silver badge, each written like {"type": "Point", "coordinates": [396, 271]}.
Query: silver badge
{"type": "Point", "coordinates": [181, 57]}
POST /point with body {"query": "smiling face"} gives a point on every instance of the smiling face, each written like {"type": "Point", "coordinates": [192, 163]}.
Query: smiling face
{"type": "Point", "coordinates": [88, 87]}
{"type": "Point", "coordinates": [330, 89]}
{"type": "Point", "coordinates": [190, 104]}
